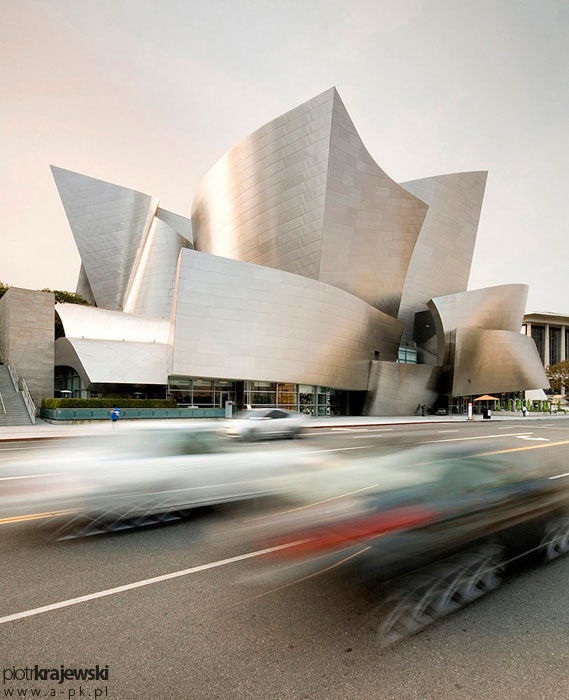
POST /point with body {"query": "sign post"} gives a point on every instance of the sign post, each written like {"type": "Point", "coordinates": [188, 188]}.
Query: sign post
{"type": "Point", "coordinates": [470, 416]}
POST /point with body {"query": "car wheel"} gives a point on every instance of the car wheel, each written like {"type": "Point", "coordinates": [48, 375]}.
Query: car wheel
{"type": "Point", "coordinates": [555, 541]}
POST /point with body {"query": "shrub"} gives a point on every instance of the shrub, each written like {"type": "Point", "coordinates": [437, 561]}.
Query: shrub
{"type": "Point", "coordinates": [510, 405]}
{"type": "Point", "coordinates": [109, 403]}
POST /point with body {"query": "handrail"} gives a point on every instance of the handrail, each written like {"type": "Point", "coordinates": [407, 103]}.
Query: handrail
{"type": "Point", "coordinates": [4, 413]}
{"type": "Point", "coordinates": [28, 400]}
{"type": "Point", "coordinates": [21, 386]}
{"type": "Point", "coordinates": [13, 375]}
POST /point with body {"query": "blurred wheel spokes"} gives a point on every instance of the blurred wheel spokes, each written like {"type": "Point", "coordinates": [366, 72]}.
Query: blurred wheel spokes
{"type": "Point", "coordinates": [555, 541]}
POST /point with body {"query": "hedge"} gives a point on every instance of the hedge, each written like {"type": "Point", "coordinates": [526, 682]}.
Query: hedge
{"type": "Point", "coordinates": [109, 403]}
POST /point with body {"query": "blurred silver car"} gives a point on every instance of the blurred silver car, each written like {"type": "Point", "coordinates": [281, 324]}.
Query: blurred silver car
{"type": "Point", "coordinates": [134, 474]}
{"type": "Point", "coordinates": [259, 424]}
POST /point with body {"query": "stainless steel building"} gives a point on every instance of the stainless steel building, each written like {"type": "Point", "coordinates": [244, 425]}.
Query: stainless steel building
{"type": "Point", "coordinates": [306, 278]}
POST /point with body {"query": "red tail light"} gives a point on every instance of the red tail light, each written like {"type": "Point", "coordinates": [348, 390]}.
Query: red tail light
{"type": "Point", "coordinates": [353, 531]}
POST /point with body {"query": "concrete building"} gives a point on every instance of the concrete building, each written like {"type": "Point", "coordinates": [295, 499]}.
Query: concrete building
{"type": "Point", "coordinates": [550, 332]}
{"type": "Point", "coordinates": [306, 278]}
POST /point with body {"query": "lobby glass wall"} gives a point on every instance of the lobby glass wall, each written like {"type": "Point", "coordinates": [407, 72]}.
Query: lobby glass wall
{"type": "Point", "coordinates": [213, 393]}
{"type": "Point", "coordinates": [203, 393]}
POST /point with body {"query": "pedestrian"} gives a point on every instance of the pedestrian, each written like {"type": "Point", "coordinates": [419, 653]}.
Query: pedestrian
{"type": "Point", "coordinates": [524, 410]}
{"type": "Point", "coordinates": [115, 413]}
{"type": "Point", "coordinates": [423, 409]}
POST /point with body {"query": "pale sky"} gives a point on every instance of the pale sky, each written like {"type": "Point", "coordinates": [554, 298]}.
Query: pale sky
{"type": "Point", "coordinates": [149, 94]}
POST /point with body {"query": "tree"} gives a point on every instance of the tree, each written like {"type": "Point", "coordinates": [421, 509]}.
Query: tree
{"type": "Point", "coordinates": [558, 376]}
{"type": "Point", "coordinates": [4, 286]}
{"type": "Point", "coordinates": [62, 297]}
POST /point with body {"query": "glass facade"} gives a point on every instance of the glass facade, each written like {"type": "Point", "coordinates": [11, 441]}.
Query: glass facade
{"type": "Point", "coordinates": [554, 345]}
{"type": "Point", "coordinates": [66, 379]}
{"type": "Point", "coordinates": [213, 393]}
{"type": "Point", "coordinates": [407, 355]}
{"type": "Point", "coordinates": [203, 393]}
{"type": "Point", "coordinates": [538, 334]}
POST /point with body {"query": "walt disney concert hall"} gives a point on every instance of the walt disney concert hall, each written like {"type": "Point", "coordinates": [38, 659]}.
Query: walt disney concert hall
{"type": "Point", "coordinates": [306, 278]}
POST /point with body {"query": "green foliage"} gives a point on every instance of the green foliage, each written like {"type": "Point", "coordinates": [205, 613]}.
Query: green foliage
{"type": "Point", "coordinates": [510, 405]}
{"type": "Point", "coordinates": [518, 405]}
{"type": "Point", "coordinates": [4, 286]}
{"type": "Point", "coordinates": [109, 403]}
{"type": "Point", "coordinates": [62, 297]}
{"type": "Point", "coordinates": [558, 376]}
{"type": "Point", "coordinates": [498, 405]}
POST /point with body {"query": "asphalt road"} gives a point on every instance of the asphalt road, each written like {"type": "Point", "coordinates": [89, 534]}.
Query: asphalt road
{"type": "Point", "coordinates": [221, 630]}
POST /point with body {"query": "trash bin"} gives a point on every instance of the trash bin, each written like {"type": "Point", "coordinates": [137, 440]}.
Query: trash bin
{"type": "Point", "coordinates": [486, 413]}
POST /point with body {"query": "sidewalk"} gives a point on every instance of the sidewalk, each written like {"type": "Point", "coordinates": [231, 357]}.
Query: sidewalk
{"type": "Point", "coordinates": [50, 430]}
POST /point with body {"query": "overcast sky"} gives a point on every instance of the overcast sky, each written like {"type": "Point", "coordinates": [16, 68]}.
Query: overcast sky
{"type": "Point", "coordinates": [150, 94]}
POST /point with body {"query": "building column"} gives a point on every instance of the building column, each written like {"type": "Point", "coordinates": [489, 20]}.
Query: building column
{"type": "Point", "coordinates": [546, 346]}
{"type": "Point", "coordinates": [563, 355]}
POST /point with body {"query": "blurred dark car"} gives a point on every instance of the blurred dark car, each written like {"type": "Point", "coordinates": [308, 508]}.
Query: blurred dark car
{"type": "Point", "coordinates": [442, 527]}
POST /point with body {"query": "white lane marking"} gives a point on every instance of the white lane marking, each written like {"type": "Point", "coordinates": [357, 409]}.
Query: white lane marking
{"type": "Point", "coordinates": [27, 476]}
{"type": "Point", "coordinates": [448, 431]}
{"type": "Point", "coordinates": [304, 578]}
{"type": "Point", "coordinates": [349, 430]}
{"type": "Point", "coordinates": [310, 505]}
{"type": "Point", "coordinates": [527, 437]}
{"type": "Point", "coordinates": [478, 437]}
{"type": "Point", "coordinates": [558, 476]}
{"type": "Point", "coordinates": [365, 437]}
{"type": "Point", "coordinates": [335, 449]}
{"type": "Point", "coordinates": [551, 427]}
{"type": "Point", "coordinates": [144, 582]}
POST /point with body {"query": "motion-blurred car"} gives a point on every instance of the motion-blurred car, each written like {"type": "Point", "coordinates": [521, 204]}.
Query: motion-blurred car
{"type": "Point", "coordinates": [440, 528]}
{"type": "Point", "coordinates": [258, 424]}
{"type": "Point", "coordinates": [122, 478]}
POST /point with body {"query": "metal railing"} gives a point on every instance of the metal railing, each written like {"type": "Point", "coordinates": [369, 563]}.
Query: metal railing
{"type": "Point", "coordinates": [3, 414]}
{"type": "Point", "coordinates": [21, 386]}
{"type": "Point", "coordinates": [30, 405]}
{"type": "Point", "coordinates": [13, 374]}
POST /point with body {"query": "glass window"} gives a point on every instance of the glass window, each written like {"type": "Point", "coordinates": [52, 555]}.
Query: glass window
{"type": "Point", "coordinates": [538, 334]}
{"type": "Point", "coordinates": [554, 345]}
{"type": "Point", "coordinates": [203, 392]}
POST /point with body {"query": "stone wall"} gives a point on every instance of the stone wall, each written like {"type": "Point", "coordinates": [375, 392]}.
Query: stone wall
{"type": "Point", "coordinates": [27, 337]}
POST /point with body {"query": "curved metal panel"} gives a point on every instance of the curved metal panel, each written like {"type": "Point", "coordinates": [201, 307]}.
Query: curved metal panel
{"type": "Point", "coordinates": [153, 288]}
{"type": "Point", "coordinates": [180, 224]}
{"type": "Point", "coordinates": [114, 362]}
{"type": "Point", "coordinates": [371, 223]}
{"type": "Point", "coordinates": [303, 195]}
{"type": "Point", "coordinates": [263, 201]}
{"type": "Point", "coordinates": [83, 286]}
{"type": "Point", "coordinates": [110, 225]}
{"type": "Point", "coordinates": [397, 389]}
{"type": "Point", "coordinates": [104, 324]}
{"type": "Point", "coordinates": [236, 320]}
{"type": "Point", "coordinates": [442, 257]}
{"type": "Point", "coordinates": [494, 308]}
{"type": "Point", "coordinates": [487, 361]}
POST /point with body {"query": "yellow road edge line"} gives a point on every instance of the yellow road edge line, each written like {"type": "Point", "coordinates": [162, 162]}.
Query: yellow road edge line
{"type": "Point", "coordinates": [521, 449]}
{"type": "Point", "coordinates": [35, 516]}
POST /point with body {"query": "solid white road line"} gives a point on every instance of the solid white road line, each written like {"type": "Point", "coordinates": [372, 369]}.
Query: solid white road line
{"type": "Point", "coordinates": [478, 437]}
{"type": "Point", "coordinates": [335, 449]}
{"type": "Point", "coordinates": [144, 582]}
{"type": "Point", "coordinates": [27, 476]}
{"type": "Point", "coordinates": [558, 476]}
{"type": "Point", "coordinates": [310, 505]}
{"type": "Point", "coordinates": [448, 431]}
{"type": "Point", "coordinates": [527, 437]}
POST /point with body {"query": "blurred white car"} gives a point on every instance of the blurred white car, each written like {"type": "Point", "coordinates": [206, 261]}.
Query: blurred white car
{"type": "Point", "coordinates": [259, 424]}
{"type": "Point", "coordinates": [139, 472]}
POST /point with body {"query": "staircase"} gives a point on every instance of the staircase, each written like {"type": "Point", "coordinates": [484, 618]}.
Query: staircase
{"type": "Point", "coordinates": [16, 412]}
